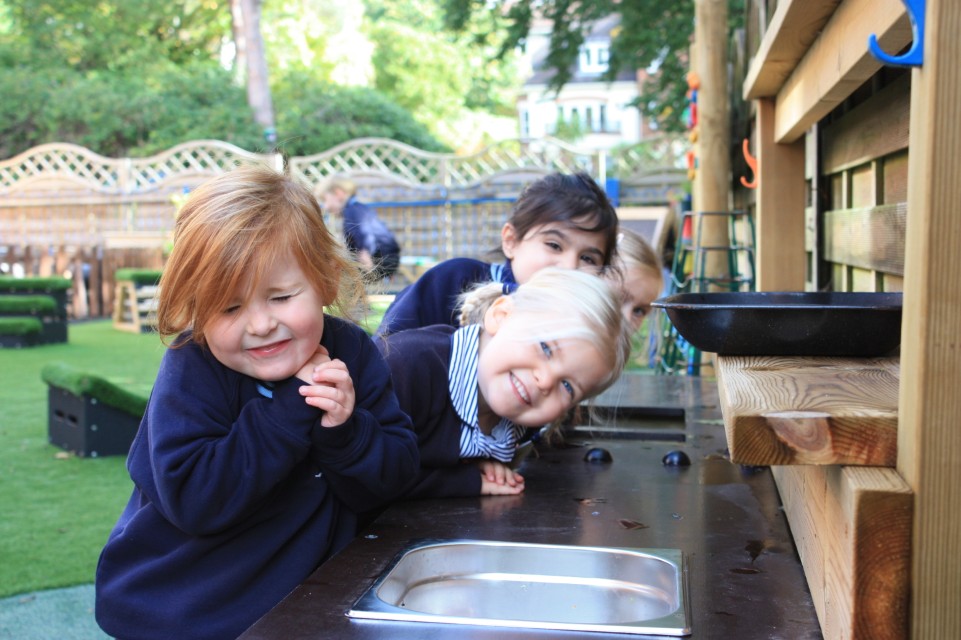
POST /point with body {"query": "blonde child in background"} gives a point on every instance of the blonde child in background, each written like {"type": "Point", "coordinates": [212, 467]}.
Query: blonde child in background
{"type": "Point", "coordinates": [372, 243]}
{"type": "Point", "coordinates": [519, 361]}
{"type": "Point", "coordinates": [269, 427]}
{"type": "Point", "coordinates": [637, 272]}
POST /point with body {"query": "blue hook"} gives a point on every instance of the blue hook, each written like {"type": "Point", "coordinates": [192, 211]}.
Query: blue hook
{"type": "Point", "coordinates": [915, 55]}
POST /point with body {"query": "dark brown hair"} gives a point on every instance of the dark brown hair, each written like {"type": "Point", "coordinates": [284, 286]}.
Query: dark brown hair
{"type": "Point", "coordinates": [573, 199]}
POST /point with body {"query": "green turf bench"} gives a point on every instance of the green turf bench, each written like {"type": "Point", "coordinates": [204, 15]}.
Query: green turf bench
{"type": "Point", "coordinates": [88, 414]}
{"type": "Point", "coordinates": [43, 308]}
{"type": "Point", "coordinates": [16, 332]}
{"type": "Point", "coordinates": [56, 287]}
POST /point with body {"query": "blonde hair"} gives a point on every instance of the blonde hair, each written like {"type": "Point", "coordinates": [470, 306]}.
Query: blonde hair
{"type": "Point", "coordinates": [568, 304]}
{"type": "Point", "coordinates": [237, 225]}
{"type": "Point", "coordinates": [338, 181]}
{"type": "Point", "coordinates": [634, 252]}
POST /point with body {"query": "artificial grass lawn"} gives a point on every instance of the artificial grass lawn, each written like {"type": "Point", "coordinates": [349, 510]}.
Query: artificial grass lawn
{"type": "Point", "coordinates": [58, 508]}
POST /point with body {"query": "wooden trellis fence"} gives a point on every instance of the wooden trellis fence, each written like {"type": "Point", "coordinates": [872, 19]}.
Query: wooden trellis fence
{"type": "Point", "coordinates": [65, 209]}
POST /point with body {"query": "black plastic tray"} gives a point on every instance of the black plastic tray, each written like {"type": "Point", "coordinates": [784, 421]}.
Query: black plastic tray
{"type": "Point", "coordinates": [788, 323]}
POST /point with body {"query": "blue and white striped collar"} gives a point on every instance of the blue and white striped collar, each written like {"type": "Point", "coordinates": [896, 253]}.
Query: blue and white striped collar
{"type": "Point", "coordinates": [462, 384]}
{"type": "Point", "coordinates": [462, 373]}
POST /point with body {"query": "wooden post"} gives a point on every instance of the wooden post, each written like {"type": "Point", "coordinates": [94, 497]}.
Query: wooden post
{"type": "Point", "coordinates": [780, 207]}
{"type": "Point", "coordinates": [712, 185]}
{"type": "Point", "coordinates": [929, 436]}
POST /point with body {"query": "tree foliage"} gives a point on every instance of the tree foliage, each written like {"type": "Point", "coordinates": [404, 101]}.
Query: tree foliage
{"type": "Point", "coordinates": [131, 78]}
{"type": "Point", "coordinates": [88, 35]}
{"type": "Point", "coordinates": [653, 35]}
{"type": "Point", "coordinates": [313, 117]}
{"type": "Point", "coordinates": [433, 71]}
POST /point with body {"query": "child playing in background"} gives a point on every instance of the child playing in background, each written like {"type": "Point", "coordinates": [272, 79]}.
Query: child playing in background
{"type": "Point", "coordinates": [520, 360]}
{"type": "Point", "coordinates": [269, 427]}
{"type": "Point", "coordinates": [637, 273]}
{"type": "Point", "coordinates": [366, 235]}
{"type": "Point", "coordinates": [558, 221]}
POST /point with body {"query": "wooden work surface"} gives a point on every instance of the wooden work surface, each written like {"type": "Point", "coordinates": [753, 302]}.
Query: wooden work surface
{"type": "Point", "coordinates": [781, 410]}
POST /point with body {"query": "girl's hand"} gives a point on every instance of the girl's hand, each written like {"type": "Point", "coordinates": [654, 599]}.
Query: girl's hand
{"type": "Point", "coordinates": [332, 392]}
{"type": "Point", "coordinates": [497, 479]}
{"type": "Point", "coordinates": [321, 356]}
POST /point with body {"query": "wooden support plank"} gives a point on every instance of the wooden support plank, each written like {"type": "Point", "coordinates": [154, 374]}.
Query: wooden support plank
{"type": "Point", "coordinates": [780, 207]}
{"type": "Point", "coordinates": [871, 130]}
{"type": "Point", "coordinates": [838, 62]}
{"type": "Point", "coordinates": [869, 238]}
{"type": "Point", "coordinates": [929, 440]}
{"type": "Point", "coordinates": [852, 529]}
{"type": "Point", "coordinates": [793, 27]}
{"type": "Point", "coordinates": [793, 410]}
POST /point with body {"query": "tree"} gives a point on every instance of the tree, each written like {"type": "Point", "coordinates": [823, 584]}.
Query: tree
{"type": "Point", "coordinates": [653, 35]}
{"type": "Point", "coordinates": [252, 57]}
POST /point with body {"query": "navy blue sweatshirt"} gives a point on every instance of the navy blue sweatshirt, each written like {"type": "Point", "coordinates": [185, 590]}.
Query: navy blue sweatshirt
{"type": "Point", "coordinates": [363, 230]}
{"type": "Point", "coordinates": [432, 299]}
{"type": "Point", "coordinates": [419, 361]}
{"type": "Point", "coordinates": [238, 497]}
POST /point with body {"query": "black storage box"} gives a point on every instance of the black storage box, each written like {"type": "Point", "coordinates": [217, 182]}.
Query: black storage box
{"type": "Point", "coordinates": [87, 427]}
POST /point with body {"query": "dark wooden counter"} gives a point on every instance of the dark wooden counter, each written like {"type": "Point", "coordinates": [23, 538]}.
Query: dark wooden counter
{"type": "Point", "coordinates": [745, 580]}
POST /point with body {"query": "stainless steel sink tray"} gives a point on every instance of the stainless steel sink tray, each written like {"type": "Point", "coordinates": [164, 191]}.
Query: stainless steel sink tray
{"type": "Point", "coordinates": [535, 586]}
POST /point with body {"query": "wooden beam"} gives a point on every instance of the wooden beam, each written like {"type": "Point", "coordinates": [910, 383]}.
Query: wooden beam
{"type": "Point", "coordinates": [929, 441]}
{"type": "Point", "coordinates": [868, 238]}
{"type": "Point", "coordinates": [872, 130]}
{"type": "Point", "coordinates": [794, 410]}
{"type": "Point", "coordinates": [781, 191]}
{"type": "Point", "coordinates": [793, 27]}
{"type": "Point", "coordinates": [852, 529]}
{"type": "Point", "coordinates": [839, 62]}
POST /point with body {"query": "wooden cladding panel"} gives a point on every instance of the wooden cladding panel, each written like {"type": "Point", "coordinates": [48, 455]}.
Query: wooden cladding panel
{"type": "Point", "coordinates": [862, 191]}
{"type": "Point", "coordinates": [869, 238]}
{"type": "Point", "coordinates": [876, 128]}
{"type": "Point", "coordinates": [895, 182]}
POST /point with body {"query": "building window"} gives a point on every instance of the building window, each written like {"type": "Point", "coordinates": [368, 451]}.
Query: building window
{"type": "Point", "coordinates": [525, 123]}
{"type": "Point", "coordinates": [602, 117]}
{"type": "Point", "coordinates": [593, 57]}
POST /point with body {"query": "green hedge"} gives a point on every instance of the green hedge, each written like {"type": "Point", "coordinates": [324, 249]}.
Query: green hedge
{"type": "Point", "coordinates": [27, 305]}
{"type": "Point", "coordinates": [53, 283]}
{"type": "Point", "coordinates": [78, 382]}
{"type": "Point", "coordinates": [139, 277]}
{"type": "Point", "coordinates": [20, 326]}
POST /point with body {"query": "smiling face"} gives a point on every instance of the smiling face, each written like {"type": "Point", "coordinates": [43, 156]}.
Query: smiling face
{"type": "Point", "coordinates": [270, 332]}
{"type": "Point", "coordinates": [555, 244]}
{"type": "Point", "coordinates": [530, 381]}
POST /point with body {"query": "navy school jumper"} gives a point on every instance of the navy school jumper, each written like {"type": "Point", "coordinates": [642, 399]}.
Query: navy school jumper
{"type": "Point", "coordinates": [419, 360]}
{"type": "Point", "coordinates": [238, 497]}
{"type": "Point", "coordinates": [432, 299]}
